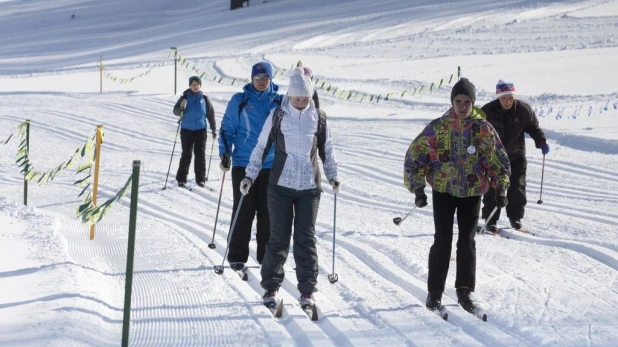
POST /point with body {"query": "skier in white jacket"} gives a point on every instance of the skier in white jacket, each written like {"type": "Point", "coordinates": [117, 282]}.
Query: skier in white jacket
{"type": "Point", "coordinates": [299, 133]}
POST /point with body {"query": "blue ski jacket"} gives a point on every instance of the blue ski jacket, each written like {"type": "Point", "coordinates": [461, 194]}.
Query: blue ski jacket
{"type": "Point", "coordinates": [242, 123]}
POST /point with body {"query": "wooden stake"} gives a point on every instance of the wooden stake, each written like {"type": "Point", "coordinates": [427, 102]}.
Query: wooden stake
{"type": "Point", "coordinates": [95, 186]}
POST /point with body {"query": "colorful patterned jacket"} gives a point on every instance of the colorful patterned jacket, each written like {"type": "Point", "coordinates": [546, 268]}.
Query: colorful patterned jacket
{"type": "Point", "coordinates": [457, 156]}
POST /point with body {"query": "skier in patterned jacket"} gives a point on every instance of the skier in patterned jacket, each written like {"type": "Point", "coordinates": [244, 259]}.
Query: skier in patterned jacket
{"type": "Point", "coordinates": [459, 154]}
{"type": "Point", "coordinates": [299, 133]}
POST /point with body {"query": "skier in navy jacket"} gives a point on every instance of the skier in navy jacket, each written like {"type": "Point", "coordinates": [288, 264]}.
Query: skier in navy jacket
{"type": "Point", "coordinates": [242, 123]}
{"type": "Point", "coordinates": [194, 107]}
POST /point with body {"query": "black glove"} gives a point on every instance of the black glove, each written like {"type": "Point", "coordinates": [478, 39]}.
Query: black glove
{"type": "Point", "coordinates": [501, 200]}
{"type": "Point", "coordinates": [421, 197]}
{"type": "Point", "coordinates": [336, 185]}
{"type": "Point", "coordinates": [225, 163]}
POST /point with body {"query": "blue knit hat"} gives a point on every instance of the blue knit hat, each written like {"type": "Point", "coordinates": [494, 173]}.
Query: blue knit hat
{"type": "Point", "coordinates": [262, 67]}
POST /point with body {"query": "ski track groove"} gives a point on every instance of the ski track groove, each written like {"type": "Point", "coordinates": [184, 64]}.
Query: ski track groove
{"type": "Point", "coordinates": [409, 333]}
{"type": "Point", "coordinates": [150, 116]}
{"type": "Point", "coordinates": [111, 128]}
{"type": "Point", "coordinates": [487, 334]}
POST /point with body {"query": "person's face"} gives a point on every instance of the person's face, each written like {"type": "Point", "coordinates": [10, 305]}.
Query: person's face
{"type": "Point", "coordinates": [195, 86]}
{"type": "Point", "coordinates": [299, 102]}
{"type": "Point", "coordinates": [261, 82]}
{"type": "Point", "coordinates": [506, 101]}
{"type": "Point", "coordinates": [462, 105]}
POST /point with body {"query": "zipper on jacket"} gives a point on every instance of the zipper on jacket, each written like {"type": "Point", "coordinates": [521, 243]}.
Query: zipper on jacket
{"type": "Point", "coordinates": [300, 131]}
{"type": "Point", "coordinates": [459, 155]}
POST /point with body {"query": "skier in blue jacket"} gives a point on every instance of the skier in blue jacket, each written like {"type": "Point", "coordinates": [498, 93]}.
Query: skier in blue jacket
{"type": "Point", "coordinates": [242, 123]}
{"type": "Point", "coordinates": [194, 107]}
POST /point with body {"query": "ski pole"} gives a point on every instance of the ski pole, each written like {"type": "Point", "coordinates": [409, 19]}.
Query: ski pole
{"type": "Point", "coordinates": [542, 174]}
{"type": "Point", "coordinates": [219, 269]}
{"type": "Point", "coordinates": [399, 220]}
{"type": "Point", "coordinates": [210, 160]}
{"type": "Point", "coordinates": [482, 230]}
{"type": "Point", "coordinates": [173, 149]}
{"type": "Point", "coordinates": [334, 277]}
{"type": "Point", "coordinates": [212, 245]}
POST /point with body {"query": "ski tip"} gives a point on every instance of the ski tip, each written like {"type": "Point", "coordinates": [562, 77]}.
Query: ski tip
{"type": "Point", "coordinates": [279, 311]}
{"type": "Point", "coordinates": [314, 313]}
{"type": "Point", "coordinates": [445, 317]}
{"type": "Point", "coordinates": [245, 277]}
{"type": "Point", "coordinates": [484, 318]}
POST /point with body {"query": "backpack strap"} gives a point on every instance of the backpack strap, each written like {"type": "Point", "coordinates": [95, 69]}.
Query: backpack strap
{"type": "Point", "coordinates": [242, 104]}
{"type": "Point", "coordinates": [321, 132]}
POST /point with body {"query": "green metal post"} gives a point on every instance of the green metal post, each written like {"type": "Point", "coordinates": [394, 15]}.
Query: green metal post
{"type": "Point", "coordinates": [126, 319]}
{"type": "Point", "coordinates": [175, 67]}
{"type": "Point", "coordinates": [27, 165]}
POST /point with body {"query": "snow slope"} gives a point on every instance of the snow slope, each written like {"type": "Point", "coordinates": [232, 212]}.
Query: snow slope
{"type": "Point", "coordinates": [57, 288]}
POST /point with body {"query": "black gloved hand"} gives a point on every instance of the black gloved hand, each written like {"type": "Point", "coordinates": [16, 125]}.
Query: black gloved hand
{"type": "Point", "coordinates": [225, 163]}
{"type": "Point", "coordinates": [421, 197]}
{"type": "Point", "coordinates": [501, 200]}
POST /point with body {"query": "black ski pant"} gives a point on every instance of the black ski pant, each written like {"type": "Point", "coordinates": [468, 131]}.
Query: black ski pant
{"type": "Point", "coordinates": [192, 141]}
{"type": "Point", "coordinates": [255, 202]}
{"type": "Point", "coordinates": [516, 194]}
{"type": "Point", "coordinates": [444, 208]}
{"type": "Point", "coordinates": [298, 208]}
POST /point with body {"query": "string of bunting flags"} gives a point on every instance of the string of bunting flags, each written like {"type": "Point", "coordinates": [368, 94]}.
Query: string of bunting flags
{"type": "Point", "coordinates": [574, 111]}
{"type": "Point", "coordinates": [21, 130]}
{"type": "Point", "coordinates": [121, 80]}
{"type": "Point", "coordinates": [92, 214]}
{"type": "Point", "coordinates": [368, 97]}
{"type": "Point", "coordinates": [205, 76]}
{"type": "Point", "coordinates": [87, 211]}
{"type": "Point", "coordinates": [320, 84]}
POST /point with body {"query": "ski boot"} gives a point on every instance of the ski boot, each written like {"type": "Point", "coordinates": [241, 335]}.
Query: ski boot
{"type": "Point", "coordinates": [516, 224]}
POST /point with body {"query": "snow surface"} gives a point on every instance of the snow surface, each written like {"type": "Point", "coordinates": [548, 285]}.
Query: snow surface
{"type": "Point", "coordinates": [57, 288]}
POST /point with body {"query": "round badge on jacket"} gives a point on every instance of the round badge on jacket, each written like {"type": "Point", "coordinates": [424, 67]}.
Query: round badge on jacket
{"type": "Point", "coordinates": [471, 149]}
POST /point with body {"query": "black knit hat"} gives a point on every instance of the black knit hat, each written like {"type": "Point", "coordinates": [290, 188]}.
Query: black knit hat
{"type": "Point", "coordinates": [196, 79]}
{"type": "Point", "coordinates": [465, 87]}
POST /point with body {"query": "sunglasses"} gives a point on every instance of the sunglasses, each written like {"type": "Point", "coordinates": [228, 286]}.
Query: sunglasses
{"type": "Point", "coordinates": [261, 77]}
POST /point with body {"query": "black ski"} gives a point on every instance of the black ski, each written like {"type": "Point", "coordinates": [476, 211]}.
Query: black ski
{"type": "Point", "coordinates": [276, 309]}
{"type": "Point", "coordinates": [242, 274]}
{"type": "Point", "coordinates": [478, 313]}
{"type": "Point", "coordinates": [523, 231]}
{"type": "Point", "coordinates": [441, 312]}
{"type": "Point", "coordinates": [187, 188]}
{"type": "Point", "coordinates": [479, 230]}
{"type": "Point", "coordinates": [311, 311]}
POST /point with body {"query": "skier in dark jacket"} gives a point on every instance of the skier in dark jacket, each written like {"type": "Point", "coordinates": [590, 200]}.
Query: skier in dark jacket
{"type": "Point", "coordinates": [299, 133]}
{"type": "Point", "coordinates": [512, 118]}
{"type": "Point", "coordinates": [194, 107]}
{"type": "Point", "coordinates": [244, 118]}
